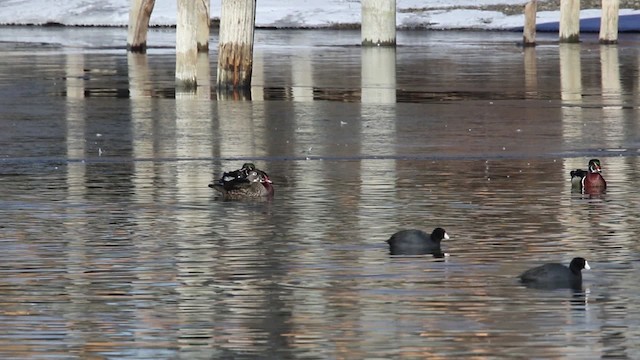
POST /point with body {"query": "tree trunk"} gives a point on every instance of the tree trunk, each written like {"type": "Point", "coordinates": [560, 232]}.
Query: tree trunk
{"type": "Point", "coordinates": [139, 15]}
{"type": "Point", "coordinates": [570, 21]}
{"type": "Point", "coordinates": [378, 23]}
{"type": "Point", "coordinates": [235, 47]}
{"type": "Point", "coordinates": [186, 46]}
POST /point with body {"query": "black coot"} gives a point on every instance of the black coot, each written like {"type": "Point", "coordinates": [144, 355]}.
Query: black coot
{"type": "Point", "coordinates": [556, 275]}
{"type": "Point", "coordinates": [417, 242]}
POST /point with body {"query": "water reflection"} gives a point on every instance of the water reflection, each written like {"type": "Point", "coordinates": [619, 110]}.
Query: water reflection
{"type": "Point", "coordinates": [378, 75]}
{"type": "Point", "coordinates": [114, 246]}
{"type": "Point", "coordinates": [530, 72]}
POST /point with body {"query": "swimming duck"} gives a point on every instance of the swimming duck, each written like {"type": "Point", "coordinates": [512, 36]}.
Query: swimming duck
{"type": "Point", "coordinates": [555, 275]}
{"type": "Point", "coordinates": [247, 182]}
{"type": "Point", "coordinates": [417, 242]}
{"type": "Point", "coordinates": [243, 172]}
{"type": "Point", "coordinates": [591, 181]}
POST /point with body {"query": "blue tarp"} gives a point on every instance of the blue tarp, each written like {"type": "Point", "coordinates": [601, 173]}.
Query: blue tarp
{"type": "Point", "coordinates": [626, 23]}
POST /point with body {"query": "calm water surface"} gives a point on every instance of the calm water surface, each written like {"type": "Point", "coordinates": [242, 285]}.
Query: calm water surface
{"type": "Point", "coordinates": [113, 247]}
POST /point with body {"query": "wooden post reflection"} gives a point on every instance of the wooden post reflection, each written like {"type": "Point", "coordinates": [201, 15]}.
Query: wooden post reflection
{"type": "Point", "coordinates": [193, 141]}
{"type": "Point", "coordinates": [611, 92]}
{"type": "Point", "coordinates": [613, 116]}
{"type": "Point", "coordinates": [142, 129]}
{"type": "Point", "coordinates": [378, 75]}
{"type": "Point", "coordinates": [203, 71]}
{"type": "Point", "coordinates": [570, 73]}
{"type": "Point", "coordinates": [76, 124]}
{"type": "Point", "coordinates": [241, 130]}
{"type": "Point", "coordinates": [571, 90]}
{"type": "Point", "coordinates": [378, 131]}
{"type": "Point", "coordinates": [258, 81]}
{"type": "Point", "coordinates": [302, 76]}
{"type": "Point", "coordinates": [139, 79]}
{"type": "Point", "coordinates": [378, 134]}
{"type": "Point", "coordinates": [530, 72]}
{"type": "Point", "coordinates": [76, 260]}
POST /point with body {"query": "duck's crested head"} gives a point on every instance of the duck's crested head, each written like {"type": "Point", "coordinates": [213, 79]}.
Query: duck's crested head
{"type": "Point", "coordinates": [594, 166]}
{"type": "Point", "coordinates": [248, 167]}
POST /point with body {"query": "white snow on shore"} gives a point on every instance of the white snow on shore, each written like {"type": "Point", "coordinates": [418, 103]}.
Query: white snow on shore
{"type": "Point", "coordinates": [279, 14]}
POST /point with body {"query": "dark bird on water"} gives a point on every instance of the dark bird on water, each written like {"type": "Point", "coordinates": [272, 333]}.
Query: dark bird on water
{"type": "Point", "coordinates": [555, 275]}
{"type": "Point", "coordinates": [589, 181]}
{"type": "Point", "coordinates": [248, 182]}
{"type": "Point", "coordinates": [417, 242]}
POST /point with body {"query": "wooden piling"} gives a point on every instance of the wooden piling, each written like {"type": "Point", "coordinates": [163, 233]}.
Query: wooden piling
{"type": "Point", "coordinates": [139, 15]}
{"type": "Point", "coordinates": [204, 24]}
{"type": "Point", "coordinates": [609, 22]}
{"type": "Point", "coordinates": [529, 31]}
{"type": "Point", "coordinates": [186, 46]}
{"type": "Point", "coordinates": [378, 23]}
{"type": "Point", "coordinates": [235, 46]}
{"type": "Point", "coordinates": [569, 21]}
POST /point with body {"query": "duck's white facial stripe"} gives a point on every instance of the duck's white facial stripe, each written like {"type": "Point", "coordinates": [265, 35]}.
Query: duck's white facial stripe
{"type": "Point", "coordinates": [586, 266]}
{"type": "Point", "coordinates": [446, 236]}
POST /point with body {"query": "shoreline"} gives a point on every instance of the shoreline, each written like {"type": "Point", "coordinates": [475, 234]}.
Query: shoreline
{"type": "Point", "coordinates": [422, 15]}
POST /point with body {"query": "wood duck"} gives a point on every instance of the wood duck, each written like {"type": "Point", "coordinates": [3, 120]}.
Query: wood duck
{"type": "Point", "coordinates": [244, 183]}
{"type": "Point", "coordinates": [241, 173]}
{"type": "Point", "coordinates": [590, 181]}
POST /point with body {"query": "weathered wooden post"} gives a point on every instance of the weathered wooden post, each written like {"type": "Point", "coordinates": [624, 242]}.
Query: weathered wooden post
{"type": "Point", "coordinates": [378, 23]}
{"type": "Point", "coordinates": [186, 46]}
{"type": "Point", "coordinates": [529, 32]}
{"type": "Point", "coordinates": [235, 46]}
{"type": "Point", "coordinates": [609, 22]}
{"type": "Point", "coordinates": [570, 21]}
{"type": "Point", "coordinates": [139, 15]}
{"type": "Point", "coordinates": [204, 25]}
